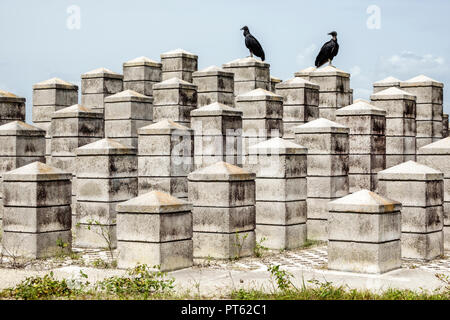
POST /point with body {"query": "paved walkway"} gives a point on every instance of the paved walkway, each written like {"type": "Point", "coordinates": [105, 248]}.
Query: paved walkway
{"type": "Point", "coordinates": [211, 277]}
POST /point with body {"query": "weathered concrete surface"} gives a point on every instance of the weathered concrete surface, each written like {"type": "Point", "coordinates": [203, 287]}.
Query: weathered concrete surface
{"type": "Point", "coordinates": [106, 173]}
{"type": "Point", "coordinates": [140, 74]}
{"type": "Point", "coordinates": [214, 85]}
{"type": "Point", "coordinates": [155, 229]}
{"type": "Point", "coordinates": [328, 146]}
{"type": "Point", "coordinates": [429, 108]}
{"type": "Point", "coordinates": [165, 158]}
{"type": "Point", "coordinates": [50, 96]}
{"type": "Point", "coordinates": [300, 103]}
{"type": "Point", "coordinates": [386, 83]}
{"type": "Point", "coordinates": [37, 214]}
{"type": "Point", "coordinates": [281, 193]}
{"type": "Point", "coordinates": [217, 135]}
{"type": "Point", "coordinates": [178, 63]}
{"type": "Point", "coordinates": [125, 113]}
{"type": "Point", "coordinates": [364, 233]}
{"type": "Point", "coordinates": [174, 99]}
{"type": "Point", "coordinates": [420, 190]}
{"type": "Point", "coordinates": [12, 107]}
{"type": "Point", "coordinates": [262, 119]}
{"type": "Point", "coordinates": [401, 129]}
{"type": "Point", "coordinates": [249, 74]}
{"type": "Point", "coordinates": [367, 143]}
{"type": "Point", "coordinates": [334, 92]}
{"type": "Point", "coordinates": [98, 84]}
{"type": "Point", "coordinates": [217, 193]}
{"type": "Point", "coordinates": [436, 155]}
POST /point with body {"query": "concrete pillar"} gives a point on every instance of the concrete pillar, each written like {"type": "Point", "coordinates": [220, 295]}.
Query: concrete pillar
{"type": "Point", "coordinates": [444, 125]}
{"type": "Point", "coordinates": [386, 83]}
{"type": "Point", "coordinates": [71, 128]}
{"type": "Point", "coordinates": [98, 84]}
{"type": "Point", "coordinates": [141, 74]}
{"type": "Point", "coordinates": [50, 96]}
{"type": "Point", "coordinates": [155, 229]}
{"type": "Point", "coordinates": [436, 156]}
{"type": "Point", "coordinates": [223, 199]}
{"type": "Point", "coordinates": [249, 74]}
{"type": "Point", "coordinates": [364, 233]}
{"type": "Point", "coordinates": [174, 99]}
{"type": "Point", "coordinates": [367, 143]}
{"type": "Point", "coordinates": [429, 109]}
{"type": "Point", "coordinates": [178, 63]}
{"type": "Point", "coordinates": [217, 135]}
{"type": "Point", "coordinates": [328, 145]}
{"type": "Point", "coordinates": [125, 113]}
{"type": "Point", "coordinates": [165, 158]}
{"type": "Point", "coordinates": [334, 92]}
{"type": "Point", "coordinates": [20, 144]}
{"type": "Point", "coordinates": [400, 109]}
{"type": "Point", "coordinates": [420, 190]}
{"type": "Point", "coordinates": [214, 85]}
{"type": "Point", "coordinates": [106, 176]}
{"type": "Point", "coordinates": [273, 83]}
{"type": "Point", "coordinates": [300, 103]}
{"type": "Point", "coordinates": [37, 215]}
{"type": "Point", "coordinates": [262, 118]}
{"type": "Point", "coordinates": [280, 193]}
{"type": "Point", "coordinates": [12, 107]}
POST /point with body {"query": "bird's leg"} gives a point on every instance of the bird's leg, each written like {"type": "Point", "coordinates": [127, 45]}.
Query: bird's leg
{"type": "Point", "coordinates": [251, 54]}
{"type": "Point", "coordinates": [330, 63]}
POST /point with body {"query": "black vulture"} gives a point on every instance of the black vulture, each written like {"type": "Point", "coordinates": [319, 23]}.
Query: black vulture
{"type": "Point", "coordinates": [252, 44]}
{"type": "Point", "coordinates": [329, 51]}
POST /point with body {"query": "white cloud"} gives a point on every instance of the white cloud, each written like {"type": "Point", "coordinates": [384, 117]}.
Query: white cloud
{"type": "Point", "coordinates": [408, 64]}
{"type": "Point", "coordinates": [307, 56]}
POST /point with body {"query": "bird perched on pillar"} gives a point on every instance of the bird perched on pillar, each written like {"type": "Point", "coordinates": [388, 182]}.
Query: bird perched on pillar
{"type": "Point", "coordinates": [252, 44]}
{"type": "Point", "coordinates": [328, 52]}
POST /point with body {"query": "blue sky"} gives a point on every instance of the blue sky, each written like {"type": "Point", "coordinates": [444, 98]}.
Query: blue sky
{"type": "Point", "coordinates": [36, 43]}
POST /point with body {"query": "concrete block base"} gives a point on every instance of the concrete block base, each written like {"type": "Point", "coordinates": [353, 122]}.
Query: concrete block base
{"type": "Point", "coordinates": [90, 236]}
{"type": "Point", "coordinates": [317, 229]}
{"type": "Point", "coordinates": [36, 245]}
{"type": "Point", "coordinates": [168, 256]}
{"type": "Point", "coordinates": [426, 246]}
{"type": "Point", "coordinates": [223, 245]}
{"type": "Point", "coordinates": [281, 237]}
{"type": "Point", "coordinates": [364, 257]}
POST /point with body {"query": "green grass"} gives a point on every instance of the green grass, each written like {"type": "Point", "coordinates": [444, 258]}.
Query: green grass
{"type": "Point", "coordinates": [144, 283]}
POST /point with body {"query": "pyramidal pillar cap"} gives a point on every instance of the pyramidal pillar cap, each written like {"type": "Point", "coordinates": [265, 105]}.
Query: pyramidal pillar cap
{"type": "Point", "coordinates": [101, 73]}
{"type": "Point", "coordinates": [105, 147]}
{"type": "Point", "coordinates": [55, 83]}
{"type": "Point", "coordinates": [364, 201]}
{"type": "Point", "coordinates": [164, 126]}
{"type": "Point", "coordinates": [142, 61]}
{"type": "Point", "coordinates": [178, 53]}
{"type": "Point", "coordinates": [6, 96]}
{"type": "Point", "coordinates": [410, 170]}
{"type": "Point", "coordinates": [36, 171]}
{"type": "Point", "coordinates": [259, 95]}
{"type": "Point", "coordinates": [421, 81]}
{"type": "Point", "coordinates": [154, 202]}
{"type": "Point", "coordinates": [441, 147]}
{"type": "Point", "coordinates": [297, 82]}
{"type": "Point", "coordinates": [20, 128]}
{"type": "Point", "coordinates": [321, 125]}
{"type": "Point", "coordinates": [392, 93]}
{"type": "Point", "coordinates": [278, 146]}
{"type": "Point", "coordinates": [387, 82]}
{"type": "Point", "coordinates": [359, 108]}
{"type": "Point", "coordinates": [221, 171]}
